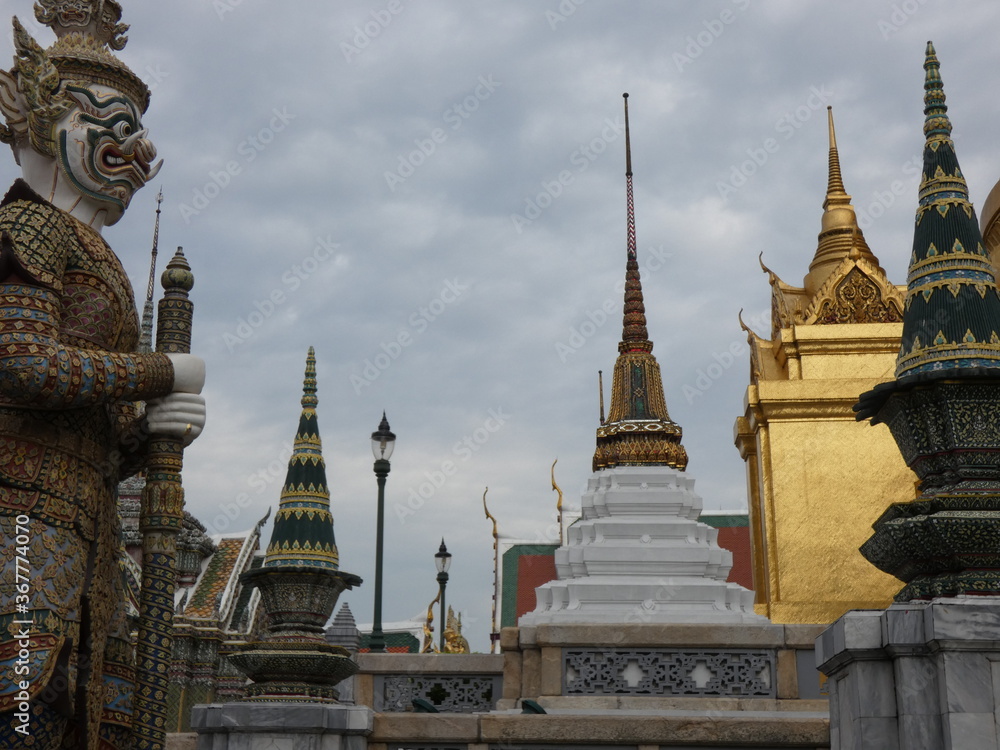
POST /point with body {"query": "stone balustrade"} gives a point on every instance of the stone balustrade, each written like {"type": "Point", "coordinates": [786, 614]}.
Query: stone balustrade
{"type": "Point", "coordinates": [452, 683]}
{"type": "Point", "coordinates": [478, 696]}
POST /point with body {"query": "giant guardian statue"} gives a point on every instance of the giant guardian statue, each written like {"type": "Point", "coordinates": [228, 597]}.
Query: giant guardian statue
{"type": "Point", "coordinates": [72, 386]}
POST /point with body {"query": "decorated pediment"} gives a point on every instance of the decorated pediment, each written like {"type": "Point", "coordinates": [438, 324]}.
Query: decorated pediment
{"type": "Point", "coordinates": [856, 292]}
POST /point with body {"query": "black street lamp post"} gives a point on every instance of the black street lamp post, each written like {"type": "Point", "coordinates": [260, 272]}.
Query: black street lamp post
{"type": "Point", "coordinates": [443, 561]}
{"type": "Point", "coordinates": [383, 441]}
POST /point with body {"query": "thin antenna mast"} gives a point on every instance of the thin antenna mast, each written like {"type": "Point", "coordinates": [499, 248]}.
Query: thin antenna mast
{"type": "Point", "coordinates": [146, 332]}
{"type": "Point", "coordinates": [600, 387]}
{"type": "Point", "coordinates": [628, 182]}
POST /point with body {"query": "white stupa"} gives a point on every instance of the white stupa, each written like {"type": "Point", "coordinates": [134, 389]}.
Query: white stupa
{"type": "Point", "coordinates": [638, 553]}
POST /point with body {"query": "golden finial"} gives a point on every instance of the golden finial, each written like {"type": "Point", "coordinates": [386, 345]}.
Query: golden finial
{"type": "Point", "coordinates": [839, 235]}
{"type": "Point", "coordinates": [559, 505]}
{"type": "Point", "coordinates": [835, 181]}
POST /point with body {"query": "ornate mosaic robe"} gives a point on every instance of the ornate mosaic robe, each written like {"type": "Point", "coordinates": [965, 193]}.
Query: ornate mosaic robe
{"type": "Point", "coordinates": [69, 432]}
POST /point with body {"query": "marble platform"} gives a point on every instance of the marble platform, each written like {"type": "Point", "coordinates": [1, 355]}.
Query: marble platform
{"type": "Point", "coordinates": [282, 726]}
{"type": "Point", "coordinates": [917, 676]}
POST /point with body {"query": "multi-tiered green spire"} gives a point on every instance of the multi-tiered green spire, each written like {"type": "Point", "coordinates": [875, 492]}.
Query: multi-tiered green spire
{"type": "Point", "coordinates": [952, 312]}
{"type": "Point", "coordinates": [943, 408]}
{"type": "Point", "coordinates": [303, 528]}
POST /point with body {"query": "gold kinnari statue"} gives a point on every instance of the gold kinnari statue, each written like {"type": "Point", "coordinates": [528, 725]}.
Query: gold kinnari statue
{"type": "Point", "coordinates": [454, 641]}
{"type": "Point", "coordinates": [72, 382]}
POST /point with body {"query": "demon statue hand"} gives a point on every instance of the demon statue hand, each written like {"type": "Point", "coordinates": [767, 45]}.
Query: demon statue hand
{"type": "Point", "coordinates": [71, 382]}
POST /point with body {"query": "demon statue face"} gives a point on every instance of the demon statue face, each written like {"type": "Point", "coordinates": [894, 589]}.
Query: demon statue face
{"type": "Point", "coordinates": [72, 113]}
{"type": "Point", "coordinates": [101, 146]}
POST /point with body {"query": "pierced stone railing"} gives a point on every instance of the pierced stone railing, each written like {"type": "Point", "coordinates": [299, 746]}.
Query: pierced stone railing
{"type": "Point", "coordinates": [745, 673]}
{"type": "Point", "coordinates": [452, 683]}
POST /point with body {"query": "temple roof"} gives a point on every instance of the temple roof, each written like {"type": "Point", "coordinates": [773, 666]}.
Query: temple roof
{"type": "Point", "coordinates": [303, 528]}
{"type": "Point", "coordinates": [207, 596]}
{"type": "Point", "coordinates": [952, 316]}
{"type": "Point", "coordinates": [638, 430]}
{"type": "Point", "coordinates": [840, 236]}
{"type": "Point", "coordinates": [845, 283]}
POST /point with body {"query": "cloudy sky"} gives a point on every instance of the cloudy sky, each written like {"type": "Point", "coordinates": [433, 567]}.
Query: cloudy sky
{"type": "Point", "coordinates": [432, 194]}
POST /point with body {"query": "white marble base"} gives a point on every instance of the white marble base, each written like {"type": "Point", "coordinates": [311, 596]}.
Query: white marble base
{"type": "Point", "coordinates": [638, 554]}
{"type": "Point", "coordinates": [282, 726]}
{"type": "Point", "coordinates": [917, 676]}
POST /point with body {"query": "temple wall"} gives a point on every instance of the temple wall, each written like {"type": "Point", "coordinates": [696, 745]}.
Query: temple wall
{"type": "Point", "coordinates": [817, 479]}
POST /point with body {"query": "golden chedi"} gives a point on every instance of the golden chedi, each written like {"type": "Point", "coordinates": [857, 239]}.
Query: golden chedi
{"type": "Point", "coordinates": [816, 479]}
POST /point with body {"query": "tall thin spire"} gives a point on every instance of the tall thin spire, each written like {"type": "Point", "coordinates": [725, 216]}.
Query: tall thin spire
{"type": "Point", "coordinates": [638, 430]}
{"type": "Point", "coordinates": [303, 528]}
{"type": "Point", "coordinates": [835, 182]}
{"type": "Point", "coordinates": [952, 317]}
{"type": "Point", "coordinates": [635, 336]}
{"type": "Point", "coordinates": [840, 236]}
{"type": "Point", "coordinates": [146, 330]}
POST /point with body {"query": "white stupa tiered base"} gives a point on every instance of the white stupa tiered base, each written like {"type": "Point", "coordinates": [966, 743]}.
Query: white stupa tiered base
{"type": "Point", "coordinates": [638, 554]}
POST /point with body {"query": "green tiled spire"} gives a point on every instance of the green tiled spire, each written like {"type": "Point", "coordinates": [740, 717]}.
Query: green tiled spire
{"type": "Point", "coordinates": [303, 528]}
{"type": "Point", "coordinates": [952, 316]}
{"type": "Point", "coordinates": [943, 408]}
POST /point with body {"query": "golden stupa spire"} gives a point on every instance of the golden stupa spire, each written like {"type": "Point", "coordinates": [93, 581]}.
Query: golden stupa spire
{"type": "Point", "coordinates": [638, 430]}
{"type": "Point", "coordinates": [835, 182]}
{"type": "Point", "coordinates": [840, 236]}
